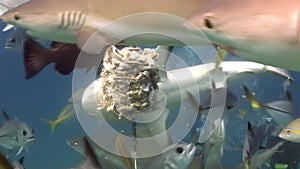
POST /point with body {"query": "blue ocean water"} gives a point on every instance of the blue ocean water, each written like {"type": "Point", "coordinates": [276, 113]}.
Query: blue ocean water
{"type": "Point", "coordinates": [44, 96]}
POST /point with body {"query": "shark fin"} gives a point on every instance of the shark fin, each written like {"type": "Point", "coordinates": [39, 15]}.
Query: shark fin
{"type": "Point", "coordinates": [35, 57]}
{"type": "Point", "coordinates": [7, 27]}
{"type": "Point", "coordinates": [93, 41]}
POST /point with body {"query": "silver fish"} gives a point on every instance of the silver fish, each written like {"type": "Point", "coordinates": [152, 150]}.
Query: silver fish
{"type": "Point", "coordinates": [179, 157]}
{"type": "Point", "coordinates": [90, 161]}
{"type": "Point", "coordinates": [107, 159]}
{"type": "Point", "coordinates": [15, 40]}
{"type": "Point", "coordinates": [262, 156]}
{"type": "Point", "coordinates": [15, 133]}
{"type": "Point", "coordinates": [261, 31]}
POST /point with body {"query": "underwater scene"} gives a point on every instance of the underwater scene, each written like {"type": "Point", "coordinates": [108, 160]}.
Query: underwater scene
{"type": "Point", "coordinates": [149, 86]}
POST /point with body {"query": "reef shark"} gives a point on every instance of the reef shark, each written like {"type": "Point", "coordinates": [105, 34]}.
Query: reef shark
{"type": "Point", "coordinates": [263, 31]}
{"type": "Point", "coordinates": [75, 21]}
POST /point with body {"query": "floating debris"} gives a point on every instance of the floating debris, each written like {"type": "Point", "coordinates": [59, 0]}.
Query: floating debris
{"type": "Point", "coordinates": [129, 80]}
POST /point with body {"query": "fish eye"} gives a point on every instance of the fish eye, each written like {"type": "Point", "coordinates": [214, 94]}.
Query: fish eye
{"type": "Point", "coordinates": [74, 143]}
{"type": "Point", "coordinates": [208, 23]}
{"type": "Point", "coordinates": [17, 17]}
{"type": "Point", "coordinates": [24, 132]}
{"type": "Point", "coordinates": [288, 131]}
{"type": "Point", "coordinates": [32, 131]}
{"type": "Point", "coordinates": [12, 40]}
{"type": "Point", "coordinates": [179, 150]}
{"type": "Point", "coordinates": [229, 107]}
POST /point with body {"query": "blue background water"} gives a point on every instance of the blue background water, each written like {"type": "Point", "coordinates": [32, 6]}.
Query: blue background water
{"type": "Point", "coordinates": [44, 95]}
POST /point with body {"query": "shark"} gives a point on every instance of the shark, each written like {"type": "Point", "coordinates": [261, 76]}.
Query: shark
{"type": "Point", "coordinates": [261, 31]}
{"type": "Point", "coordinates": [107, 22]}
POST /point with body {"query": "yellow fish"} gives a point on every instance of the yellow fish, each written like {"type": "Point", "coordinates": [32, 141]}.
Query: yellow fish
{"type": "Point", "coordinates": [66, 112]}
{"type": "Point", "coordinates": [291, 132]}
{"type": "Point", "coordinates": [250, 96]}
{"type": "Point", "coordinates": [222, 53]}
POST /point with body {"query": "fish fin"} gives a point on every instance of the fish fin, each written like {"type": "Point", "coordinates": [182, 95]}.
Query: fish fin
{"type": "Point", "coordinates": [20, 150]}
{"type": "Point", "coordinates": [91, 157]}
{"type": "Point", "coordinates": [93, 41]}
{"type": "Point", "coordinates": [65, 64]}
{"type": "Point", "coordinates": [5, 115]}
{"type": "Point", "coordinates": [52, 123]}
{"type": "Point", "coordinates": [35, 57]}
{"type": "Point", "coordinates": [65, 67]}
{"type": "Point", "coordinates": [250, 96]}
{"type": "Point", "coordinates": [7, 27]}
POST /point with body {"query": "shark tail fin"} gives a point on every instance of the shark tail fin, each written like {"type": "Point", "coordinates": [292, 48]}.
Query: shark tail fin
{"type": "Point", "coordinates": [35, 57]}
{"type": "Point", "coordinates": [255, 104]}
{"type": "Point", "coordinates": [52, 123]}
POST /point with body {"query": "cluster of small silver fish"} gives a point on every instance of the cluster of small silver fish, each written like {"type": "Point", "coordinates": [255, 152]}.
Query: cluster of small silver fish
{"type": "Point", "coordinates": [128, 78]}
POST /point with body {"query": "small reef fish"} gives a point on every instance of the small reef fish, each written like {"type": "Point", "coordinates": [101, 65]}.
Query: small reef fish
{"type": "Point", "coordinates": [252, 143]}
{"type": "Point", "coordinates": [281, 111]}
{"type": "Point", "coordinates": [64, 114]}
{"type": "Point", "coordinates": [4, 163]}
{"type": "Point", "coordinates": [90, 161]}
{"type": "Point", "coordinates": [15, 133]}
{"type": "Point", "coordinates": [291, 132]}
{"type": "Point", "coordinates": [261, 31]}
{"type": "Point", "coordinates": [63, 55]}
{"type": "Point", "coordinates": [178, 157]}
{"type": "Point", "coordinates": [262, 156]}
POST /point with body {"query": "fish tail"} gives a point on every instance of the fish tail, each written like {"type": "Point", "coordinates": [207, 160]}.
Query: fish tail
{"type": "Point", "coordinates": [35, 57]}
{"type": "Point", "coordinates": [52, 123]}
{"type": "Point", "coordinates": [65, 63]}
{"type": "Point", "coordinates": [255, 104]}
